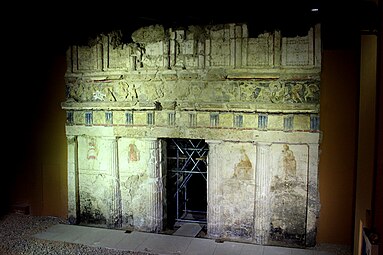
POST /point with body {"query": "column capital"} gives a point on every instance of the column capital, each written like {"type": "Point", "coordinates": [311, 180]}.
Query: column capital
{"type": "Point", "coordinates": [150, 139]}
{"type": "Point", "coordinates": [213, 141]}
{"type": "Point", "coordinates": [257, 143]}
{"type": "Point", "coordinates": [111, 138]}
{"type": "Point", "coordinates": [71, 139]}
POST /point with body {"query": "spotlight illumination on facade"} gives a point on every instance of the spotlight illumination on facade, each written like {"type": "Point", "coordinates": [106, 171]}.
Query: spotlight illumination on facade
{"type": "Point", "coordinates": [134, 109]}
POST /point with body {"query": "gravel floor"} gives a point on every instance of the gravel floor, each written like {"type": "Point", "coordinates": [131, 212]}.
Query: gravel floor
{"type": "Point", "coordinates": [16, 238]}
{"type": "Point", "coordinates": [17, 230]}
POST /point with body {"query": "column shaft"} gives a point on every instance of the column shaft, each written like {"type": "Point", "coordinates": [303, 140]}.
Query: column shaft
{"type": "Point", "coordinates": [213, 208]}
{"type": "Point", "coordinates": [262, 193]}
{"type": "Point", "coordinates": [156, 188]}
{"type": "Point", "coordinates": [72, 175]}
{"type": "Point", "coordinates": [115, 206]}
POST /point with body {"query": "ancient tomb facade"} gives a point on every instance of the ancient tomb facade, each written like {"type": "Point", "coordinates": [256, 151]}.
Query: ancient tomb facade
{"type": "Point", "coordinates": [200, 124]}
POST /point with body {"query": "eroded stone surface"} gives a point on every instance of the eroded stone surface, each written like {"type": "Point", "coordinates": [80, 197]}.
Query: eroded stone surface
{"type": "Point", "coordinates": [254, 100]}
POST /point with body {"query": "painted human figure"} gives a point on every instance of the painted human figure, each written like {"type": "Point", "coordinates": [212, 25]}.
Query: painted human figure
{"type": "Point", "coordinates": [288, 161]}
{"type": "Point", "coordinates": [243, 169]}
{"type": "Point", "coordinates": [92, 149]}
{"type": "Point", "coordinates": [134, 154]}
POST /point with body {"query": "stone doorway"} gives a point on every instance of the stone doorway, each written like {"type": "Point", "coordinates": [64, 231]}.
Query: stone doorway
{"type": "Point", "coordinates": [186, 185]}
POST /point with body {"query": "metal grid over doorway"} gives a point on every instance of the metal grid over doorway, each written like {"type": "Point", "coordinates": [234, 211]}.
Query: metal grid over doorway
{"type": "Point", "coordinates": [187, 180]}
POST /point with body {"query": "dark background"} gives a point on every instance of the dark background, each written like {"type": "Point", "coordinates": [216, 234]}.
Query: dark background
{"type": "Point", "coordinates": [35, 37]}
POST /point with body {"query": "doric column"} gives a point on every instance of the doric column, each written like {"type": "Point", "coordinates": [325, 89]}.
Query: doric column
{"type": "Point", "coordinates": [72, 175]}
{"type": "Point", "coordinates": [115, 202]}
{"type": "Point", "coordinates": [213, 206]}
{"type": "Point", "coordinates": [156, 188]}
{"type": "Point", "coordinates": [262, 193]}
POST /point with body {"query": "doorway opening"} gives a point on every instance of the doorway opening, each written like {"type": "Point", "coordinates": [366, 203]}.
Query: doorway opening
{"type": "Point", "coordinates": [186, 185]}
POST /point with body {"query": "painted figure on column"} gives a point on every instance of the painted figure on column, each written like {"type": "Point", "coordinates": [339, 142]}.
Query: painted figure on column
{"type": "Point", "coordinates": [288, 161]}
{"type": "Point", "coordinates": [134, 153]}
{"type": "Point", "coordinates": [92, 149]}
{"type": "Point", "coordinates": [243, 169]}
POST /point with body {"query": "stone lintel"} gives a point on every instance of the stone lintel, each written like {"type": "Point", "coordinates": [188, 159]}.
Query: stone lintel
{"type": "Point", "coordinates": [291, 72]}
{"type": "Point", "coordinates": [152, 133]}
{"type": "Point", "coordinates": [102, 105]}
{"type": "Point", "coordinates": [189, 106]}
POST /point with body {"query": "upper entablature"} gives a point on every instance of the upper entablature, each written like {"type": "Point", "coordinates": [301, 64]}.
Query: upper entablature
{"type": "Point", "coordinates": [197, 48]}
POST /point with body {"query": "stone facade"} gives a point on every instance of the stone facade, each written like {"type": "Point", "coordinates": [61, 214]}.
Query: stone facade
{"type": "Point", "coordinates": [255, 101]}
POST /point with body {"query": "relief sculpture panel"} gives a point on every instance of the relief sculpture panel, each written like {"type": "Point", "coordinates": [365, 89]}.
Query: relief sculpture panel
{"type": "Point", "coordinates": [278, 92]}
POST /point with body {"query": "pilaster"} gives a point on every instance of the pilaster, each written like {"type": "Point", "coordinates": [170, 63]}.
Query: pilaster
{"type": "Point", "coordinates": [213, 208]}
{"type": "Point", "coordinates": [262, 193]}
{"type": "Point", "coordinates": [115, 218]}
{"type": "Point", "coordinates": [156, 187]}
{"type": "Point", "coordinates": [73, 191]}
{"type": "Point", "coordinates": [313, 199]}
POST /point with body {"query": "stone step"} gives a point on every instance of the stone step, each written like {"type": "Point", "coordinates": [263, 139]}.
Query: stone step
{"type": "Point", "coordinates": [188, 229]}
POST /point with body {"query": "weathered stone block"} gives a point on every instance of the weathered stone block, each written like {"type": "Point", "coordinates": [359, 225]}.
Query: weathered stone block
{"type": "Point", "coordinates": [140, 118]}
{"type": "Point", "coordinates": [79, 117]}
{"type": "Point", "coordinates": [250, 120]}
{"type": "Point", "coordinates": [275, 122]}
{"type": "Point", "coordinates": [119, 117]}
{"type": "Point", "coordinates": [203, 119]}
{"type": "Point", "coordinates": [302, 122]}
{"type": "Point", "coordinates": [226, 119]}
{"type": "Point", "coordinates": [99, 118]}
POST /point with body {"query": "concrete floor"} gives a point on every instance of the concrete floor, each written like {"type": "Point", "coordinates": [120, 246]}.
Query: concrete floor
{"type": "Point", "coordinates": [162, 243]}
